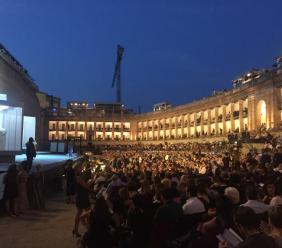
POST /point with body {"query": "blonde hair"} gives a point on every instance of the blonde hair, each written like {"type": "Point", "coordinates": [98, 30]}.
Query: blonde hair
{"type": "Point", "coordinates": [232, 194]}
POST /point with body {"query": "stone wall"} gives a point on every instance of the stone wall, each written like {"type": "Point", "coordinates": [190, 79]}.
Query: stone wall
{"type": "Point", "coordinates": [20, 90]}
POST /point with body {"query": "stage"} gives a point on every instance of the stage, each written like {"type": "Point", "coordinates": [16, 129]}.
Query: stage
{"type": "Point", "coordinates": [45, 159]}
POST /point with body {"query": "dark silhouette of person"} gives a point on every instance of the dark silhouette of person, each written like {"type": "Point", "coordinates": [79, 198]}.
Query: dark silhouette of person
{"type": "Point", "coordinates": [30, 153]}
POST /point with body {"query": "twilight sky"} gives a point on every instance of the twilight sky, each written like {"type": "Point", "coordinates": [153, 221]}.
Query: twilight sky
{"type": "Point", "coordinates": [175, 50]}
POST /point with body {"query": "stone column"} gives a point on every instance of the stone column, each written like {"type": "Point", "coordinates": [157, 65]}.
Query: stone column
{"type": "Point", "coordinates": [113, 131]}
{"type": "Point", "coordinates": [224, 120]}
{"type": "Point", "coordinates": [188, 126]}
{"type": "Point", "coordinates": [95, 128]}
{"type": "Point", "coordinates": [202, 123]}
{"type": "Point", "coordinates": [182, 126]}
{"type": "Point", "coordinates": [142, 133]}
{"type": "Point", "coordinates": [75, 128]}
{"type": "Point", "coordinates": [195, 123]}
{"type": "Point", "coordinates": [241, 118]}
{"type": "Point", "coordinates": [147, 133]}
{"type": "Point", "coordinates": [209, 122]}
{"type": "Point", "coordinates": [272, 112]}
{"type": "Point", "coordinates": [216, 121]}
{"type": "Point", "coordinates": [153, 129]}
{"type": "Point", "coordinates": [169, 133]}
{"type": "Point", "coordinates": [67, 129]}
{"type": "Point", "coordinates": [269, 115]}
{"type": "Point", "coordinates": [158, 123]}
{"type": "Point", "coordinates": [104, 131]}
{"type": "Point", "coordinates": [57, 130]}
{"type": "Point", "coordinates": [232, 122]}
{"type": "Point", "coordinates": [251, 113]}
{"type": "Point", "coordinates": [85, 131]}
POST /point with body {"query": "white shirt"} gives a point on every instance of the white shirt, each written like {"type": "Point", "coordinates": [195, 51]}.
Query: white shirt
{"type": "Point", "coordinates": [193, 206]}
{"type": "Point", "coordinates": [257, 206]}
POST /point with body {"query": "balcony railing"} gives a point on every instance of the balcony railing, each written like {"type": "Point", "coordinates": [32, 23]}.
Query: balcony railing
{"type": "Point", "coordinates": [219, 118]}
{"type": "Point", "coordinates": [245, 113]}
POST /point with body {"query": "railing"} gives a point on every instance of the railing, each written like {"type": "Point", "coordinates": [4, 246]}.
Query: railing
{"type": "Point", "coordinates": [219, 118]}
{"type": "Point", "coordinates": [245, 113]}
{"type": "Point", "coordinates": [236, 114]}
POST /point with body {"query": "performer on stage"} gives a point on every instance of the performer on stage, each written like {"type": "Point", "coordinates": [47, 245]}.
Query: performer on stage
{"type": "Point", "coordinates": [30, 153]}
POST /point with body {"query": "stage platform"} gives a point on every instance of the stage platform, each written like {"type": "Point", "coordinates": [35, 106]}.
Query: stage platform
{"type": "Point", "coordinates": [45, 159]}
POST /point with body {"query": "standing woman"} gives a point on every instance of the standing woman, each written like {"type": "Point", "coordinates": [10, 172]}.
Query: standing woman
{"type": "Point", "coordinates": [11, 190]}
{"type": "Point", "coordinates": [22, 188]}
{"type": "Point", "coordinates": [70, 182]}
{"type": "Point", "coordinates": [37, 188]}
{"type": "Point", "coordinates": [82, 197]}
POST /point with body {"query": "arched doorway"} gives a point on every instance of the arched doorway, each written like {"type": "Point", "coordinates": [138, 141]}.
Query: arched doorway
{"type": "Point", "coordinates": [261, 113]}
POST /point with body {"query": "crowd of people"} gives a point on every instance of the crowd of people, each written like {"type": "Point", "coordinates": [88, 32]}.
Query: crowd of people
{"type": "Point", "coordinates": [23, 188]}
{"type": "Point", "coordinates": [23, 191]}
{"type": "Point", "coordinates": [181, 195]}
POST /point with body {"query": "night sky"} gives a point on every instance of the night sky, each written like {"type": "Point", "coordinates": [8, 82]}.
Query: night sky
{"type": "Point", "coordinates": [175, 50]}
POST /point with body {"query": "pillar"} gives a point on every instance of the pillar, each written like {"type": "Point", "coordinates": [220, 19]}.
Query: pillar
{"type": "Point", "coordinates": [209, 122]}
{"type": "Point", "coordinates": [224, 120]}
{"type": "Point", "coordinates": [241, 119]}
{"type": "Point", "coordinates": [232, 122]}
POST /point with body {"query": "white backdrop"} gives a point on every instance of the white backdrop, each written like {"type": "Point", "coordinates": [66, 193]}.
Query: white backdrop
{"type": "Point", "coordinates": [29, 123]}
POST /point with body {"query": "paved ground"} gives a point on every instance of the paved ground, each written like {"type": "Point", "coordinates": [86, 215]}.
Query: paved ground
{"type": "Point", "coordinates": [50, 228]}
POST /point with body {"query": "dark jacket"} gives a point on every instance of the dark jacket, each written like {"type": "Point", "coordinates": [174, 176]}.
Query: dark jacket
{"type": "Point", "coordinates": [258, 240]}
{"type": "Point", "coordinates": [30, 150]}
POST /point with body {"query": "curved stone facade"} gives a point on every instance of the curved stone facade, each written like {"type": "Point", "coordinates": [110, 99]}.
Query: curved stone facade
{"type": "Point", "coordinates": [247, 107]}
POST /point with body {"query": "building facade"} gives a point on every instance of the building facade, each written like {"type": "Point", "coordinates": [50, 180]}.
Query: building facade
{"type": "Point", "coordinates": [19, 107]}
{"type": "Point", "coordinates": [247, 107]}
{"type": "Point", "coordinates": [254, 102]}
{"type": "Point", "coordinates": [102, 122]}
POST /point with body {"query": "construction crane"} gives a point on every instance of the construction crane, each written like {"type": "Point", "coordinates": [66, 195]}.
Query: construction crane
{"type": "Point", "coordinates": [117, 73]}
